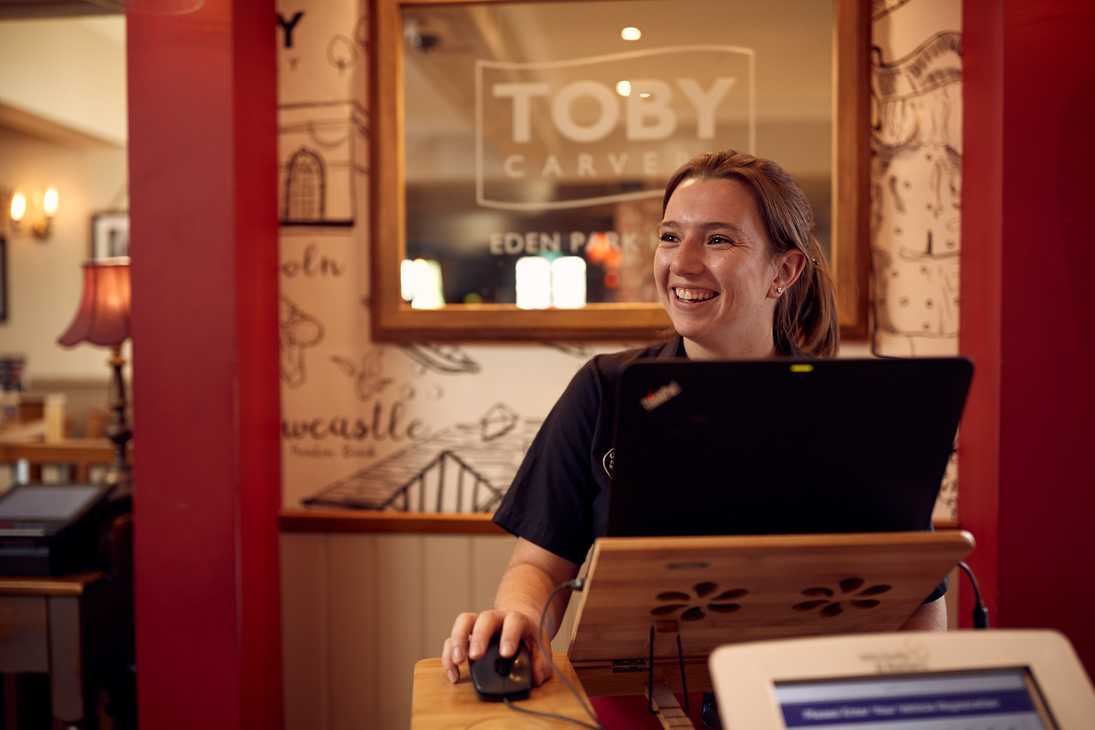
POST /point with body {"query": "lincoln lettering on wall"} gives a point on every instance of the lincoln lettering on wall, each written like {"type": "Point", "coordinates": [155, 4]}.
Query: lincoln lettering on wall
{"type": "Point", "coordinates": [520, 149]}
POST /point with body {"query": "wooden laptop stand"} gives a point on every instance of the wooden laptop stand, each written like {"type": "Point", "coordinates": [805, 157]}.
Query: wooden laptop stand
{"type": "Point", "coordinates": [653, 609]}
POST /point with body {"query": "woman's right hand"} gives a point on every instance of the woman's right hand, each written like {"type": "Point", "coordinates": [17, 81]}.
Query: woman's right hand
{"type": "Point", "coordinates": [471, 633]}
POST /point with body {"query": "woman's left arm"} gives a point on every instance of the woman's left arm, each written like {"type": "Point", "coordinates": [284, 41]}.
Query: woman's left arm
{"type": "Point", "coordinates": [929, 617]}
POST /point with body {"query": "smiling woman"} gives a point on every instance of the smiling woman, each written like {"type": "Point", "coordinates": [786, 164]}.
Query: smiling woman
{"type": "Point", "coordinates": [714, 272]}
{"type": "Point", "coordinates": [738, 267]}
{"type": "Point", "coordinates": [739, 271]}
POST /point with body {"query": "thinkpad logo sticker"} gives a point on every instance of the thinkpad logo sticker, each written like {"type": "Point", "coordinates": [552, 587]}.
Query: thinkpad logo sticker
{"type": "Point", "coordinates": [661, 396]}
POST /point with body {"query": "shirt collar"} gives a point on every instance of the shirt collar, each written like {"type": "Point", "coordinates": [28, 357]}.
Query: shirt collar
{"type": "Point", "coordinates": [673, 347]}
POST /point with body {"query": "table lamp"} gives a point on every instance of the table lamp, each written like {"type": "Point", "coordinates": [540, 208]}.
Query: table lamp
{"type": "Point", "coordinates": [103, 319]}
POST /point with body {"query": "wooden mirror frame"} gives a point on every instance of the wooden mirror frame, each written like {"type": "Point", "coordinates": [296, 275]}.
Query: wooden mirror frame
{"type": "Point", "coordinates": [392, 320]}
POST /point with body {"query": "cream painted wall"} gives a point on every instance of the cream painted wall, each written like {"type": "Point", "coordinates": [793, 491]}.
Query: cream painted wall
{"type": "Point", "coordinates": [44, 277]}
{"type": "Point", "coordinates": [63, 82]}
{"type": "Point", "coordinates": [351, 407]}
{"type": "Point", "coordinates": [67, 71]}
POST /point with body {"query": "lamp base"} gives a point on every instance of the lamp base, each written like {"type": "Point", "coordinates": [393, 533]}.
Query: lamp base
{"type": "Point", "coordinates": [119, 480]}
{"type": "Point", "coordinates": [120, 475]}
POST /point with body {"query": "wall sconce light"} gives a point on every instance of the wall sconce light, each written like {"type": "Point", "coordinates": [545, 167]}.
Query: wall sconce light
{"type": "Point", "coordinates": [42, 224]}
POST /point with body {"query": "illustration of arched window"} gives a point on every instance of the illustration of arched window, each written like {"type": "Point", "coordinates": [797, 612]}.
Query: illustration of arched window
{"type": "Point", "coordinates": [305, 186]}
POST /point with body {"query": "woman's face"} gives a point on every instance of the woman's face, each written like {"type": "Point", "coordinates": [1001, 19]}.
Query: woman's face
{"type": "Point", "coordinates": [714, 270]}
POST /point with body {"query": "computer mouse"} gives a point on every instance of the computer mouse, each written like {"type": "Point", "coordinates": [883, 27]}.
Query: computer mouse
{"type": "Point", "coordinates": [498, 678]}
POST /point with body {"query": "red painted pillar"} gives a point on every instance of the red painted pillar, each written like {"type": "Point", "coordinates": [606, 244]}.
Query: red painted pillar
{"type": "Point", "coordinates": [203, 186]}
{"type": "Point", "coordinates": [1028, 319]}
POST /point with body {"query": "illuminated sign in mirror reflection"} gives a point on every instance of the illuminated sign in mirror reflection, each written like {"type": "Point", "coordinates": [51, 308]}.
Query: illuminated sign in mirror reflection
{"type": "Point", "coordinates": [557, 144]}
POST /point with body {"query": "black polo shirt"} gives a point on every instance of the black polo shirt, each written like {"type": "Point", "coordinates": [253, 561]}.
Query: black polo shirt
{"type": "Point", "coordinates": [559, 497]}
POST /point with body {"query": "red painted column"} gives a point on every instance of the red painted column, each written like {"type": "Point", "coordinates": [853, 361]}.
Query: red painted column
{"type": "Point", "coordinates": [979, 326]}
{"type": "Point", "coordinates": [1028, 261]}
{"type": "Point", "coordinates": [203, 186]}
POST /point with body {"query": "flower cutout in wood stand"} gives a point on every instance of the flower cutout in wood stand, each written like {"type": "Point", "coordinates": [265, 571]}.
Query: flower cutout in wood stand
{"type": "Point", "coordinates": [850, 593]}
{"type": "Point", "coordinates": [695, 605]}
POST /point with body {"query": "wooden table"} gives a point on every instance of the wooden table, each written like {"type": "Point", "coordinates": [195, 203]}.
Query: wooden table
{"type": "Point", "coordinates": [437, 703]}
{"type": "Point", "coordinates": [70, 627]}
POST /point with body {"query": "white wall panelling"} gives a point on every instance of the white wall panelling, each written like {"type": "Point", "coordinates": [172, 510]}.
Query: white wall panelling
{"type": "Point", "coordinates": [359, 610]}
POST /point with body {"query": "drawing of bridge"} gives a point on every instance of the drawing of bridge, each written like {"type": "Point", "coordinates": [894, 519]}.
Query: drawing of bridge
{"type": "Point", "coordinates": [464, 468]}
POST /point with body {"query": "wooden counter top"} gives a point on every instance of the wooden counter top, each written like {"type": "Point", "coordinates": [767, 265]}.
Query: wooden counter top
{"type": "Point", "coordinates": [346, 520]}
{"type": "Point", "coordinates": [437, 703]}
{"type": "Point", "coordinates": [373, 521]}
{"type": "Point", "coordinates": [72, 585]}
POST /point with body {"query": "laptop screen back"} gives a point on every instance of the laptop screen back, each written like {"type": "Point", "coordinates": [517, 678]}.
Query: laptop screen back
{"type": "Point", "coordinates": [781, 447]}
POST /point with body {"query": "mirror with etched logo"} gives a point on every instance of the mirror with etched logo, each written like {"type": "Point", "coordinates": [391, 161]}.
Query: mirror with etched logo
{"type": "Point", "coordinates": [520, 149]}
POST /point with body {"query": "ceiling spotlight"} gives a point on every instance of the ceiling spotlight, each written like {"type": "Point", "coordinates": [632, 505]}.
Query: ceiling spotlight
{"type": "Point", "coordinates": [623, 88]}
{"type": "Point", "coordinates": [631, 33]}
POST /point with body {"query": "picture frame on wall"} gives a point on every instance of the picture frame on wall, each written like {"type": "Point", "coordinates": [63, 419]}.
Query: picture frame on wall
{"type": "Point", "coordinates": [3, 279]}
{"type": "Point", "coordinates": [109, 234]}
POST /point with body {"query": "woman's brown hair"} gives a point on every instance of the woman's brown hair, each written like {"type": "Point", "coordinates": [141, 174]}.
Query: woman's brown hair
{"type": "Point", "coordinates": [805, 321]}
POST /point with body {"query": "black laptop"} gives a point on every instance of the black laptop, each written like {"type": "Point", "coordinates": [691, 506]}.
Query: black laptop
{"type": "Point", "coordinates": [51, 529]}
{"type": "Point", "coordinates": [783, 447]}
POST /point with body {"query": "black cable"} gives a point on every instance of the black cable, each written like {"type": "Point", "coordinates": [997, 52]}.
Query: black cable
{"type": "Point", "coordinates": [545, 648]}
{"type": "Point", "coordinates": [650, 676]}
{"type": "Point", "coordinates": [980, 610]}
{"type": "Point", "coordinates": [684, 679]}
{"type": "Point", "coordinates": [550, 715]}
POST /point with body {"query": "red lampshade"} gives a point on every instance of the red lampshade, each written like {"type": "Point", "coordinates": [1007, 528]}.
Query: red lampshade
{"type": "Point", "coordinates": [103, 317]}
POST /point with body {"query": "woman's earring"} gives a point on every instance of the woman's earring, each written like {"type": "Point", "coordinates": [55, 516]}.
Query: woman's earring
{"type": "Point", "coordinates": [779, 290]}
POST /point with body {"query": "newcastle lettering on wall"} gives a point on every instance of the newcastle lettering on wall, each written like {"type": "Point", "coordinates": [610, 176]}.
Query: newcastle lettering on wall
{"type": "Point", "coordinates": [386, 422]}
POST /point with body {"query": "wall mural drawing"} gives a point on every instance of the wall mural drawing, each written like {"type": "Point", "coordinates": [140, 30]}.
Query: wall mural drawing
{"type": "Point", "coordinates": [882, 8]}
{"type": "Point", "coordinates": [341, 53]}
{"type": "Point", "coordinates": [305, 187]}
{"type": "Point", "coordinates": [321, 150]}
{"type": "Point", "coordinates": [298, 332]}
{"type": "Point", "coordinates": [322, 126]}
{"type": "Point", "coordinates": [579, 350]}
{"type": "Point", "coordinates": [367, 374]}
{"type": "Point", "coordinates": [361, 32]}
{"type": "Point", "coordinates": [464, 468]}
{"type": "Point", "coordinates": [446, 359]}
{"type": "Point", "coordinates": [916, 196]}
